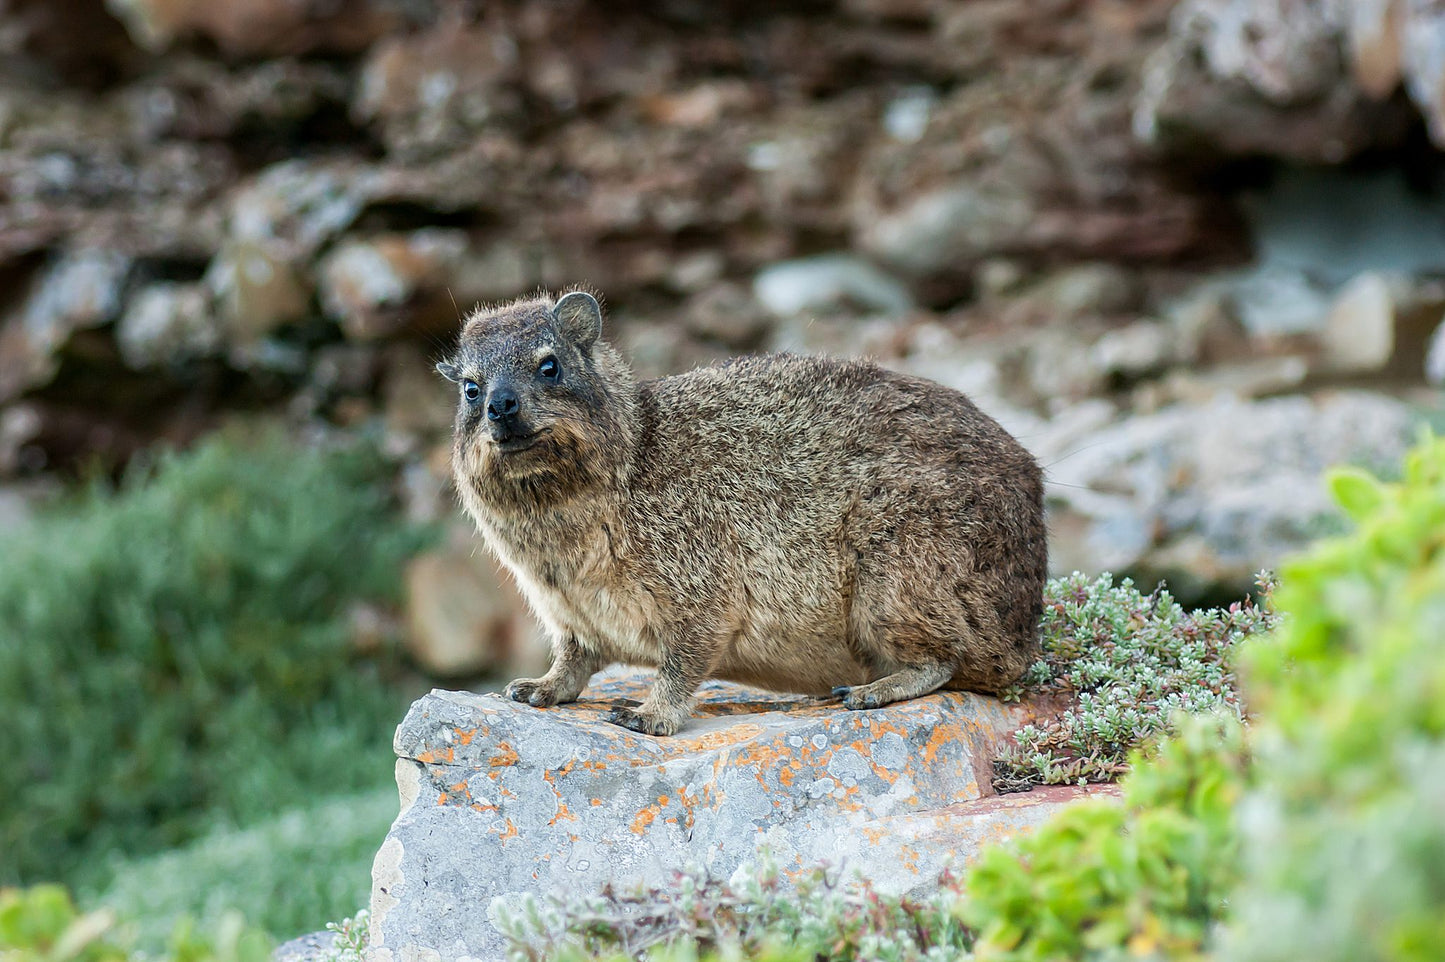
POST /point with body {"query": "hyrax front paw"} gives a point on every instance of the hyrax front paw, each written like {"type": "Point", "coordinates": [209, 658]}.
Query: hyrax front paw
{"type": "Point", "coordinates": [646, 724]}
{"type": "Point", "coordinates": [858, 699]}
{"type": "Point", "coordinates": [537, 692]}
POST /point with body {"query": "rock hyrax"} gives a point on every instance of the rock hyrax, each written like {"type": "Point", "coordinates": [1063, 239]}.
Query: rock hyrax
{"type": "Point", "coordinates": [803, 524]}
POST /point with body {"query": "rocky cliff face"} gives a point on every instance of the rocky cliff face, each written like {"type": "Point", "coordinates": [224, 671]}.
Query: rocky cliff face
{"type": "Point", "coordinates": [1104, 219]}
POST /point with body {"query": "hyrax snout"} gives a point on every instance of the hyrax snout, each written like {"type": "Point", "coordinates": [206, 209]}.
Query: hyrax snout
{"type": "Point", "coordinates": [802, 524]}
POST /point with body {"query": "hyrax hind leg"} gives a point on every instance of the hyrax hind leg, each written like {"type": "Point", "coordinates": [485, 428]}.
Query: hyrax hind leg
{"type": "Point", "coordinates": [923, 627]}
{"type": "Point", "coordinates": [908, 682]}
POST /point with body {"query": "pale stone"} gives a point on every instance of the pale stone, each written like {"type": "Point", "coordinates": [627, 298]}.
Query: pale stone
{"type": "Point", "coordinates": [1382, 322]}
{"type": "Point", "coordinates": [829, 283]}
{"type": "Point", "coordinates": [463, 615]}
{"type": "Point", "coordinates": [517, 800]}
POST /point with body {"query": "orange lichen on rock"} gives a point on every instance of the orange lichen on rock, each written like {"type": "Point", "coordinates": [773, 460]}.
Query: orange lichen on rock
{"type": "Point", "coordinates": [576, 802]}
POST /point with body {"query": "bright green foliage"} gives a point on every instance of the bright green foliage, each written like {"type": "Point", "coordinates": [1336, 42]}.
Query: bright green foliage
{"type": "Point", "coordinates": [1149, 876]}
{"type": "Point", "coordinates": [287, 875]}
{"type": "Point", "coordinates": [758, 915]}
{"type": "Point", "coordinates": [176, 653]}
{"type": "Point", "coordinates": [1345, 834]}
{"type": "Point", "coordinates": [1126, 664]}
{"type": "Point", "coordinates": [230, 940]}
{"type": "Point", "coordinates": [42, 924]}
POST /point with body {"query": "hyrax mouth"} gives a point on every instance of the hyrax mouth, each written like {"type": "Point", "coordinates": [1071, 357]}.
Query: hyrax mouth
{"type": "Point", "coordinates": [519, 442]}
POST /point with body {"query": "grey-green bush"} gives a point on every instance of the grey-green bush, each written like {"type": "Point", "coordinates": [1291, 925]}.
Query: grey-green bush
{"type": "Point", "coordinates": [1123, 665]}
{"type": "Point", "coordinates": [176, 652]}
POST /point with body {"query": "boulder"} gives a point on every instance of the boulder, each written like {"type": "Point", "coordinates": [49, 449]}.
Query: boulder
{"type": "Point", "coordinates": [259, 27]}
{"type": "Point", "coordinates": [1249, 77]}
{"type": "Point", "coordinates": [167, 323]}
{"type": "Point", "coordinates": [500, 799]}
{"type": "Point", "coordinates": [829, 283]}
{"type": "Point", "coordinates": [1381, 324]}
{"type": "Point", "coordinates": [1206, 496]}
{"type": "Point", "coordinates": [366, 284]}
{"type": "Point", "coordinates": [465, 616]}
{"type": "Point", "coordinates": [79, 290]}
{"type": "Point", "coordinates": [430, 91]}
{"type": "Point", "coordinates": [1435, 358]}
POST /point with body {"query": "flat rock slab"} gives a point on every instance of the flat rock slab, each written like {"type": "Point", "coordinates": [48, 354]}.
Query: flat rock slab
{"type": "Point", "coordinates": [499, 799]}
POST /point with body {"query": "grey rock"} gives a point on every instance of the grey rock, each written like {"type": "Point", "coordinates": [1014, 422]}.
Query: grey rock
{"type": "Point", "coordinates": [167, 323]}
{"type": "Point", "coordinates": [1274, 299]}
{"type": "Point", "coordinates": [1205, 496]}
{"type": "Point", "coordinates": [729, 314]}
{"type": "Point", "coordinates": [500, 800]}
{"type": "Point", "coordinates": [1141, 348]}
{"type": "Point", "coordinates": [1251, 77]}
{"type": "Point", "coordinates": [1394, 40]}
{"type": "Point", "coordinates": [1086, 289]}
{"type": "Point", "coordinates": [366, 282]}
{"type": "Point", "coordinates": [1250, 378]}
{"type": "Point", "coordinates": [1435, 358]}
{"type": "Point", "coordinates": [433, 90]}
{"type": "Point", "coordinates": [945, 228]}
{"type": "Point", "coordinates": [312, 947]}
{"type": "Point", "coordinates": [81, 289]}
{"type": "Point", "coordinates": [827, 284]}
{"type": "Point", "coordinates": [258, 27]}
{"type": "Point", "coordinates": [20, 500]}
{"type": "Point", "coordinates": [303, 203]}
{"type": "Point", "coordinates": [1059, 365]}
{"type": "Point", "coordinates": [260, 277]}
{"type": "Point", "coordinates": [258, 285]}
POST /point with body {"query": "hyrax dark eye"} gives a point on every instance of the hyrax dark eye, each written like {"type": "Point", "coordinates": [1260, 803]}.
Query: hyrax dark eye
{"type": "Point", "coordinates": [549, 369]}
{"type": "Point", "coordinates": [471, 391]}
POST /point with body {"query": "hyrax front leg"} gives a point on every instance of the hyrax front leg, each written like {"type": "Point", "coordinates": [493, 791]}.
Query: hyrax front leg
{"type": "Point", "coordinates": [669, 704]}
{"type": "Point", "coordinates": [572, 667]}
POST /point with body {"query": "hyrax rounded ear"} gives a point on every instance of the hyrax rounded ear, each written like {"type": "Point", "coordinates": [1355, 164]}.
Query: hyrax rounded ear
{"type": "Point", "coordinates": [449, 370]}
{"type": "Point", "coordinates": [580, 317]}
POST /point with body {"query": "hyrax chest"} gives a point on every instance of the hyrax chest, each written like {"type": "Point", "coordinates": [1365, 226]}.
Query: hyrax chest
{"type": "Point", "coordinates": [583, 588]}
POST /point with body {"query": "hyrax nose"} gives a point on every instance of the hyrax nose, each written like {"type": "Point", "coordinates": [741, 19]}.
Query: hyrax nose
{"type": "Point", "coordinates": [501, 403]}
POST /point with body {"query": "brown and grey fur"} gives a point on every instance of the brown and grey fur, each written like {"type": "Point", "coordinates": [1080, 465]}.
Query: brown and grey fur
{"type": "Point", "coordinates": [798, 523]}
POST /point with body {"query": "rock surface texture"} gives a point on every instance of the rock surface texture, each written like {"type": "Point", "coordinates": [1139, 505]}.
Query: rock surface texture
{"type": "Point", "coordinates": [500, 799]}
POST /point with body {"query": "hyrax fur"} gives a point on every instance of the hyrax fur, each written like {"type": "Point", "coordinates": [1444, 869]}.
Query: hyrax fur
{"type": "Point", "coordinates": [797, 523]}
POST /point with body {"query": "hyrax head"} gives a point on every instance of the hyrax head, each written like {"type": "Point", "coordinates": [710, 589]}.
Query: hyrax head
{"type": "Point", "coordinates": [529, 387]}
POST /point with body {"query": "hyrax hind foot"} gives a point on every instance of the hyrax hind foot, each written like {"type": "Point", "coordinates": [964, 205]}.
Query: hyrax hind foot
{"type": "Point", "coordinates": [901, 685]}
{"type": "Point", "coordinates": [646, 724]}
{"type": "Point", "coordinates": [537, 692]}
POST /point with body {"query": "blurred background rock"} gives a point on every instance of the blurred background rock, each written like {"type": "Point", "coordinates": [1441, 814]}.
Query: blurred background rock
{"type": "Point", "coordinates": [1190, 252]}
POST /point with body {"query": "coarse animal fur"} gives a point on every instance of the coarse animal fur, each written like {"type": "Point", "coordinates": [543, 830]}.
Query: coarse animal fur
{"type": "Point", "coordinates": [802, 524]}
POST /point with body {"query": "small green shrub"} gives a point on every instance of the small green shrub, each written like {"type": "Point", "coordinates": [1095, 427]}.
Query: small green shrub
{"type": "Point", "coordinates": [287, 875]}
{"type": "Point", "coordinates": [1345, 830]}
{"type": "Point", "coordinates": [1123, 664]}
{"type": "Point", "coordinates": [1335, 850]}
{"type": "Point", "coordinates": [42, 924]}
{"type": "Point", "coordinates": [176, 653]}
{"type": "Point", "coordinates": [1150, 876]}
{"type": "Point", "coordinates": [757, 915]}
{"type": "Point", "coordinates": [353, 935]}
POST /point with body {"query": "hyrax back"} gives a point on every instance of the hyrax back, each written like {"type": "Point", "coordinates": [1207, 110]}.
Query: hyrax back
{"type": "Point", "coordinates": [798, 523]}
